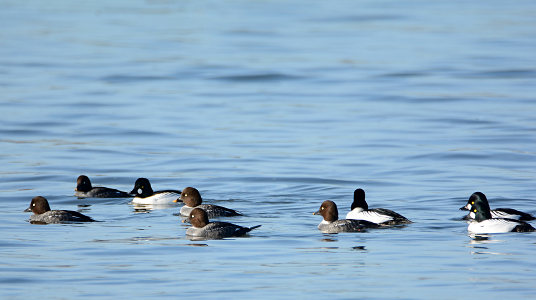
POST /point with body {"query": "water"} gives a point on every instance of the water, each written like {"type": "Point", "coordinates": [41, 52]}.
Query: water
{"type": "Point", "coordinates": [267, 107]}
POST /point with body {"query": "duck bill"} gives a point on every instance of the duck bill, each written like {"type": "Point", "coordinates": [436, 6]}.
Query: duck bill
{"type": "Point", "coordinates": [29, 209]}
{"type": "Point", "coordinates": [464, 207]}
{"type": "Point", "coordinates": [177, 200]}
{"type": "Point", "coordinates": [316, 212]}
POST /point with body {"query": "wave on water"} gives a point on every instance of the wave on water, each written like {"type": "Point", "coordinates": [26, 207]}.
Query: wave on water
{"type": "Point", "coordinates": [258, 77]}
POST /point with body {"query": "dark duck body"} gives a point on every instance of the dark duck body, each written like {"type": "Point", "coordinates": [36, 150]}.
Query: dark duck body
{"type": "Point", "coordinates": [331, 223]}
{"type": "Point", "coordinates": [202, 228]}
{"type": "Point", "coordinates": [84, 189]}
{"type": "Point", "coordinates": [42, 214]}
{"type": "Point", "coordinates": [192, 199]}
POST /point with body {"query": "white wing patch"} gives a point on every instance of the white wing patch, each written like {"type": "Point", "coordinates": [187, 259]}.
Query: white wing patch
{"type": "Point", "coordinates": [371, 216]}
{"type": "Point", "coordinates": [492, 226]}
{"type": "Point", "coordinates": [503, 215]}
{"type": "Point", "coordinates": [160, 198]}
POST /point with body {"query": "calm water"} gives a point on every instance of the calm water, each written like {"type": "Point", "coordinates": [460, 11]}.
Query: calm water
{"type": "Point", "coordinates": [267, 107]}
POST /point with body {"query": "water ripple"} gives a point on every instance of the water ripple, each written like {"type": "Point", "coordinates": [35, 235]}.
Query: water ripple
{"type": "Point", "coordinates": [258, 77]}
{"type": "Point", "coordinates": [361, 18]}
{"type": "Point", "coordinates": [504, 74]}
{"type": "Point", "coordinates": [135, 78]}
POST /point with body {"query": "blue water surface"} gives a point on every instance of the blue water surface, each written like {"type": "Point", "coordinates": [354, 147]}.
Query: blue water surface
{"type": "Point", "coordinates": [269, 108]}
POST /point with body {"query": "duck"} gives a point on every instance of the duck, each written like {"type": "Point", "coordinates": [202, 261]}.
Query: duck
{"type": "Point", "coordinates": [44, 215]}
{"type": "Point", "coordinates": [203, 229]}
{"type": "Point", "coordinates": [331, 223]}
{"type": "Point", "coordinates": [381, 216]}
{"type": "Point", "coordinates": [84, 189]}
{"type": "Point", "coordinates": [483, 223]}
{"type": "Point", "coordinates": [144, 194]}
{"type": "Point", "coordinates": [192, 199]}
{"type": "Point", "coordinates": [500, 213]}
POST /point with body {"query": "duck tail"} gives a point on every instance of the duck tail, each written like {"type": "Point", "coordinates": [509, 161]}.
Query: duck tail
{"type": "Point", "coordinates": [524, 227]}
{"type": "Point", "coordinates": [254, 227]}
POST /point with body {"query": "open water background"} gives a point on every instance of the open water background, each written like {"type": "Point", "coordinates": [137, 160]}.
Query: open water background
{"type": "Point", "coordinates": [267, 107]}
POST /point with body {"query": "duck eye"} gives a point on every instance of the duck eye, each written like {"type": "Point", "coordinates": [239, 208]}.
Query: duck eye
{"type": "Point", "coordinates": [473, 202]}
{"type": "Point", "coordinates": [33, 204]}
{"type": "Point", "coordinates": [185, 195]}
{"type": "Point", "coordinates": [474, 210]}
{"type": "Point", "coordinates": [322, 207]}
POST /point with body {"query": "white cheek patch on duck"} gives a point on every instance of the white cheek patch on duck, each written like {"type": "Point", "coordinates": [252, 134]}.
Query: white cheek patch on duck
{"type": "Point", "coordinates": [468, 206]}
{"type": "Point", "coordinates": [140, 191]}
